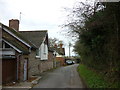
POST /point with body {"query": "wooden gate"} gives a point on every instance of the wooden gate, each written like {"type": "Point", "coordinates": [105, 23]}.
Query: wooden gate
{"type": "Point", "coordinates": [9, 70]}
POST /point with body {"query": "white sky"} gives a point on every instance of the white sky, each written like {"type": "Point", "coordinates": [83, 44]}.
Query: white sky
{"type": "Point", "coordinates": [38, 15]}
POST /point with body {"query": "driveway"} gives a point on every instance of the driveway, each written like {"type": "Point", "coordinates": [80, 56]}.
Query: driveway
{"type": "Point", "coordinates": [63, 77]}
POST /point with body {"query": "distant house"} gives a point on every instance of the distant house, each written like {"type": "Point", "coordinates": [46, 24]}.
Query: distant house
{"type": "Point", "coordinates": [14, 52]}
{"type": "Point", "coordinates": [60, 53]}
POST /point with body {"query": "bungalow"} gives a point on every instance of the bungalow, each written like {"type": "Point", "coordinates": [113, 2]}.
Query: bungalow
{"type": "Point", "coordinates": [14, 53]}
{"type": "Point", "coordinates": [40, 60]}
{"type": "Point", "coordinates": [24, 53]}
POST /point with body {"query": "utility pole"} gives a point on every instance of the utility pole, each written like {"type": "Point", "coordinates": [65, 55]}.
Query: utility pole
{"type": "Point", "coordinates": [69, 48]}
{"type": "Point", "coordinates": [20, 16]}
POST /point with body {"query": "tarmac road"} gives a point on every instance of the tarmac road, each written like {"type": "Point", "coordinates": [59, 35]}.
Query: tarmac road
{"type": "Point", "coordinates": [63, 77]}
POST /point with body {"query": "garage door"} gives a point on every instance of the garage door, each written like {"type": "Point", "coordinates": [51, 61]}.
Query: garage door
{"type": "Point", "coordinates": [9, 70]}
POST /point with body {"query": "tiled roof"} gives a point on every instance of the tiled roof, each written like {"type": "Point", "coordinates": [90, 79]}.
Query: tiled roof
{"type": "Point", "coordinates": [60, 51]}
{"type": "Point", "coordinates": [17, 45]}
{"type": "Point", "coordinates": [35, 37]}
{"type": "Point", "coordinates": [14, 42]}
{"type": "Point", "coordinates": [19, 35]}
{"type": "Point", "coordinates": [51, 49]}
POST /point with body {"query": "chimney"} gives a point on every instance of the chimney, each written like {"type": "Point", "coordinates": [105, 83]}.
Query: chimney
{"type": "Point", "coordinates": [55, 46]}
{"type": "Point", "coordinates": [60, 45]}
{"type": "Point", "coordinates": [14, 23]}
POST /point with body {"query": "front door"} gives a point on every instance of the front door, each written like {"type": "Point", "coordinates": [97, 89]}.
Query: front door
{"type": "Point", "coordinates": [25, 69]}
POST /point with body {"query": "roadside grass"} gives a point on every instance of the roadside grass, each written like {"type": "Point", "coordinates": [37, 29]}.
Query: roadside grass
{"type": "Point", "coordinates": [92, 79]}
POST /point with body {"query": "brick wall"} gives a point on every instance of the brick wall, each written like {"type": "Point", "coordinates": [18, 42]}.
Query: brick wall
{"type": "Point", "coordinates": [61, 59]}
{"type": "Point", "coordinates": [21, 66]}
{"type": "Point", "coordinates": [46, 64]}
{"type": "Point", "coordinates": [14, 23]}
{"type": "Point", "coordinates": [37, 66]}
{"type": "Point", "coordinates": [33, 64]}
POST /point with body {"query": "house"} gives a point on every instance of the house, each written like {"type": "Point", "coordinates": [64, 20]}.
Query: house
{"type": "Point", "coordinates": [23, 53]}
{"type": "Point", "coordinates": [39, 58]}
{"type": "Point", "coordinates": [41, 55]}
{"type": "Point", "coordinates": [14, 53]}
{"type": "Point", "coordinates": [60, 53]}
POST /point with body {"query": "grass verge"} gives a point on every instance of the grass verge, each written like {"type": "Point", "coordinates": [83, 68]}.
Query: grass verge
{"type": "Point", "coordinates": [92, 79]}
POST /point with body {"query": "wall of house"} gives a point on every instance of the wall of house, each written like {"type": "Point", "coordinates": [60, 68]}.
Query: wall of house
{"type": "Point", "coordinates": [44, 51]}
{"type": "Point", "coordinates": [46, 64]}
{"type": "Point", "coordinates": [51, 59]}
{"type": "Point", "coordinates": [22, 58]}
{"type": "Point", "coordinates": [34, 62]}
{"type": "Point", "coordinates": [37, 66]}
{"type": "Point", "coordinates": [21, 67]}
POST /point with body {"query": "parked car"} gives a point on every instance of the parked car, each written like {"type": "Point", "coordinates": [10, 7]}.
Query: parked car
{"type": "Point", "coordinates": [69, 62]}
{"type": "Point", "coordinates": [73, 62]}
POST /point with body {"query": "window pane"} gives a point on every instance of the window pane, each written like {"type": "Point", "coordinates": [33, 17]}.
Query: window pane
{"type": "Point", "coordinates": [37, 52]}
{"type": "Point", "coordinates": [7, 46]}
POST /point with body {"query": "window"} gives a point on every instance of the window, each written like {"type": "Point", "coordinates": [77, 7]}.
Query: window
{"type": "Point", "coordinates": [5, 45]}
{"type": "Point", "coordinates": [37, 52]}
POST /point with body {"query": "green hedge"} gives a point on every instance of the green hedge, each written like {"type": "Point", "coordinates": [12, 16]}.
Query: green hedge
{"type": "Point", "coordinates": [92, 79]}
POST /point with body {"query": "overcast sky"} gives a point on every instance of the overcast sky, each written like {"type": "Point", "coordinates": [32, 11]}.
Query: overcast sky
{"type": "Point", "coordinates": [38, 15]}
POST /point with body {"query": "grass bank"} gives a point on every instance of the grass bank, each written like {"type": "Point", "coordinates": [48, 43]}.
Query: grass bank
{"type": "Point", "coordinates": [92, 79]}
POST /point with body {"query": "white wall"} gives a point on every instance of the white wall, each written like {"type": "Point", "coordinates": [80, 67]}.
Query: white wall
{"type": "Point", "coordinates": [44, 51]}
{"type": "Point", "coordinates": [58, 55]}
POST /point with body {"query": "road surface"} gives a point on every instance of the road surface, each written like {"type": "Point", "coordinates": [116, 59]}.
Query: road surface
{"type": "Point", "coordinates": [63, 77]}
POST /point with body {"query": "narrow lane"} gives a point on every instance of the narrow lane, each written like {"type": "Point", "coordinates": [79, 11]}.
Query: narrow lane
{"type": "Point", "coordinates": [63, 77]}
